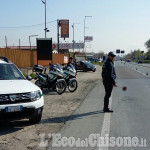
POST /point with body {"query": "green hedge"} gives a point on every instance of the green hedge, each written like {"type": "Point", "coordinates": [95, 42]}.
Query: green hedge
{"type": "Point", "coordinates": [146, 61]}
{"type": "Point", "coordinates": [33, 75]}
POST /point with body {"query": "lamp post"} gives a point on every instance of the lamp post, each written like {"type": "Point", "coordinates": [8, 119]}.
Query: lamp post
{"type": "Point", "coordinates": [84, 29]}
{"type": "Point", "coordinates": [46, 30]}
{"type": "Point", "coordinates": [30, 39]}
{"type": "Point", "coordinates": [73, 35]}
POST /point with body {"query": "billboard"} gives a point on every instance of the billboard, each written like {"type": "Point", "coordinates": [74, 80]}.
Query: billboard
{"type": "Point", "coordinates": [88, 38]}
{"type": "Point", "coordinates": [64, 28]}
{"type": "Point", "coordinates": [65, 59]}
{"type": "Point", "coordinates": [44, 48]}
{"type": "Point", "coordinates": [69, 46]}
{"type": "Point", "coordinates": [118, 51]}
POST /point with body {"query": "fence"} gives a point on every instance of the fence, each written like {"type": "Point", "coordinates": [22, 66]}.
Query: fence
{"type": "Point", "coordinates": [28, 58]}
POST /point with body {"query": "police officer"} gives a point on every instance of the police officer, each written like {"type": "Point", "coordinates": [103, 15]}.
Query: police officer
{"type": "Point", "coordinates": [108, 76]}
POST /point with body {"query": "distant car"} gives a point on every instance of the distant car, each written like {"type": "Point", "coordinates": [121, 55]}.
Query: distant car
{"type": "Point", "coordinates": [128, 60]}
{"type": "Point", "coordinates": [140, 62]}
{"type": "Point", "coordinates": [85, 66]}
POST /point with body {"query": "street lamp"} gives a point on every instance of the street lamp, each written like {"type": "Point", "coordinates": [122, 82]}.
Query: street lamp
{"type": "Point", "coordinates": [46, 29]}
{"type": "Point", "coordinates": [84, 28]}
{"type": "Point", "coordinates": [73, 35]}
{"type": "Point", "coordinates": [30, 40]}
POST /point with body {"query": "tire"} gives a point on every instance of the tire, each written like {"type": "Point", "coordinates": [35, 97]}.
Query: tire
{"type": "Point", "coordinates": [60, 87]}
{"type": "Point", "coordinates": [94, 70]}
{"type": "Point", "coordinates": [85, 70]}
{"type": "Point", "coordinates": [75, 87]}
{"type": "Point", "coordinates": [36, 119]}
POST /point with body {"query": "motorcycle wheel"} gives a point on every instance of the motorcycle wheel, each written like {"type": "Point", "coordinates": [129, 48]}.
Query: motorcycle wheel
{"type": "Point", "coordinates": [73, 85]}
{"type": "Point", "coordinates": [60, 87]}
{"type": "Point", "coordinates": [38, 84]}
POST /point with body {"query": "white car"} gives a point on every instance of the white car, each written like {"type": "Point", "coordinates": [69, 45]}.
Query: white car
{"type": "Point", "coordinates": [19, 98]}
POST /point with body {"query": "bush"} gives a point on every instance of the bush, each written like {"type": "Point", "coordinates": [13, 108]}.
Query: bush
{"type": "Point", "coordinates": [33, 75]}
{"type": "Point", "coordinates": [146, 61]}
{"type": "Point", "coordinates": [25, 74]}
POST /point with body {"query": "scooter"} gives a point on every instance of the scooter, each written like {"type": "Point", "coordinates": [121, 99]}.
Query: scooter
{"type": "Point", "coordinates": [69, 74]}
{"type": "Point", "coordinates": [54, 79]}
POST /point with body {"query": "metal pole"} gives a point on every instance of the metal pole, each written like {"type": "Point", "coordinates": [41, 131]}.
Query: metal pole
{"type": "Point", "coordinates": [19, 43]}
{"type": "Point", "coordinates": [84, 29]}
{"type": "Point", "coordinates": [58, 34]}
{"type": "Point", "coordinates": [30, 42]}
{"type": "Point", "coordinates": [6, 41]}
{"type": "Point", "coordinates": [84, 32]}
{"type": "Point", "coordinates": [45, 20]}
{"type": "Point", "coordinates": [73, 38]}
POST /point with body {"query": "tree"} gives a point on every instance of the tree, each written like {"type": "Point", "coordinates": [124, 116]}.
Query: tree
{"type": "Point", "coordinates": [100, 54]}
{"type": "Point", "coordinates": [147, 44]}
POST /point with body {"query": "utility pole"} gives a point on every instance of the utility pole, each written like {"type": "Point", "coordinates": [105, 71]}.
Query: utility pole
{"type": "Point", "coordinates": [58, 25]}
{"type": "Point", "coordinates": [46, 30]}
{"type": "Point", "coordinates": [84, 29]}
{"type": "Point", "coordinates": [45, 20]}
{"type": "Point", "coordinates": [73, 37]}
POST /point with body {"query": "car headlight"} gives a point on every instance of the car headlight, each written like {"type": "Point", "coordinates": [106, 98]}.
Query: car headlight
{"type": "Point", "coordinates": [36, 95]}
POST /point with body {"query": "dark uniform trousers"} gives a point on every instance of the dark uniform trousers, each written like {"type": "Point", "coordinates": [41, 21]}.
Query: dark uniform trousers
{"type": "Point", "coordinates": [108, 90]}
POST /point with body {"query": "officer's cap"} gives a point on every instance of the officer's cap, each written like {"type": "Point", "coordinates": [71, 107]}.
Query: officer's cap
{"type": "Point", "coordinates": [111, 54]}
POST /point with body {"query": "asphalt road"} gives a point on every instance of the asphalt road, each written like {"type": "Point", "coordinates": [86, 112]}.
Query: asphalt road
{"type": "Point", "coordinates": [130, 118]}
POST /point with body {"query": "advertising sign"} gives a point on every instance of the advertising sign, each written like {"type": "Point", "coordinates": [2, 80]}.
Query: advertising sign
{"type": "Point", "coordinates": [122, 52]}
{"type": "Point", "coordinates": [118, 51]}
{"type": "Point", "coordinates": [65, 59]}
{"type": "Point", "coordinates": [64, 28]}
{"type": "Point", "coordinates": [88, 38]}
{"type": "Point", "coordinates": [44, 49]}
{"type": "Point", "coordinates": [69, 46]}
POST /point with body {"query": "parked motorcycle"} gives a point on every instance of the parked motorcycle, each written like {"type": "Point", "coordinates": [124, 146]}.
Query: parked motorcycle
{"type": "Point", "coordinates": [54, 79]}
{"type": "Point", "coordinates": [69, 74]}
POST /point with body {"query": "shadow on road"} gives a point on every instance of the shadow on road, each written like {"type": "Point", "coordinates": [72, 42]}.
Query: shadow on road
{"type": "Point", "coordinates": [8, 127]}
{"type": "Point", "coordinates": [49, 92]}
{"type": "Point", "coordinates": [68, 118]}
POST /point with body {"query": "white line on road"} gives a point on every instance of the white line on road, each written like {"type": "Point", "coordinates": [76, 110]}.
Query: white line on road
{"type": "Point", "coordinates": [106, 125]}
{"type": "Point", "coordinates": [139, 72]}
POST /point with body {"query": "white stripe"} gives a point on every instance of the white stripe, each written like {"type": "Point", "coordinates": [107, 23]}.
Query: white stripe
{"type": "Point", "coordinates": [106, 125]}
{"type": "Point", "coordinates": [140, 72]}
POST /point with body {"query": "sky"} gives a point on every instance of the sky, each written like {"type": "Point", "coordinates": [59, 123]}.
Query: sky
{"type": "Point", "coordinates": [115, 24]}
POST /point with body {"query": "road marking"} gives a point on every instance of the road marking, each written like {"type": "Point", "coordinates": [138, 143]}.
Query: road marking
{"type": "Point", "coordinates": [139, 72]}
{"type": "Point", "coordinates": [106, 125]}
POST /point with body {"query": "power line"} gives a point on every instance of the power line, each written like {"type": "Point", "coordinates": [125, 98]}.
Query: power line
{"type": "Point", "coordinates": [24, 27]}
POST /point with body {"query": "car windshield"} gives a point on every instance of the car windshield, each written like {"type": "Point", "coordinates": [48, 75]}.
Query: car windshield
{"type": "Point", "coordinates": [89, 64]}
{"type": "Point", "coordinates": [10, 72]}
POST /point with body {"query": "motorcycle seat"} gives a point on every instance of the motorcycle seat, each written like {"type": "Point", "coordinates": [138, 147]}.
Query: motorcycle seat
{"type": "Point", "coordinates": [44, 75]}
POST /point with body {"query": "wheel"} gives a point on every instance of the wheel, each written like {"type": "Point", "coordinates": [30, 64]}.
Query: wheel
{"type": "Point", "coordinates": [94, 70]}
{"type": "Point", "coordinates": [38, 84]}
{"type": "Point", "coordinates": [73, 85]}
{"type": "Point", "coordinates": [85, 70]}
{"type": "Point", "coordinates": [36, 119]}
{"type": "Point", "coordinates": [60, 87]}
